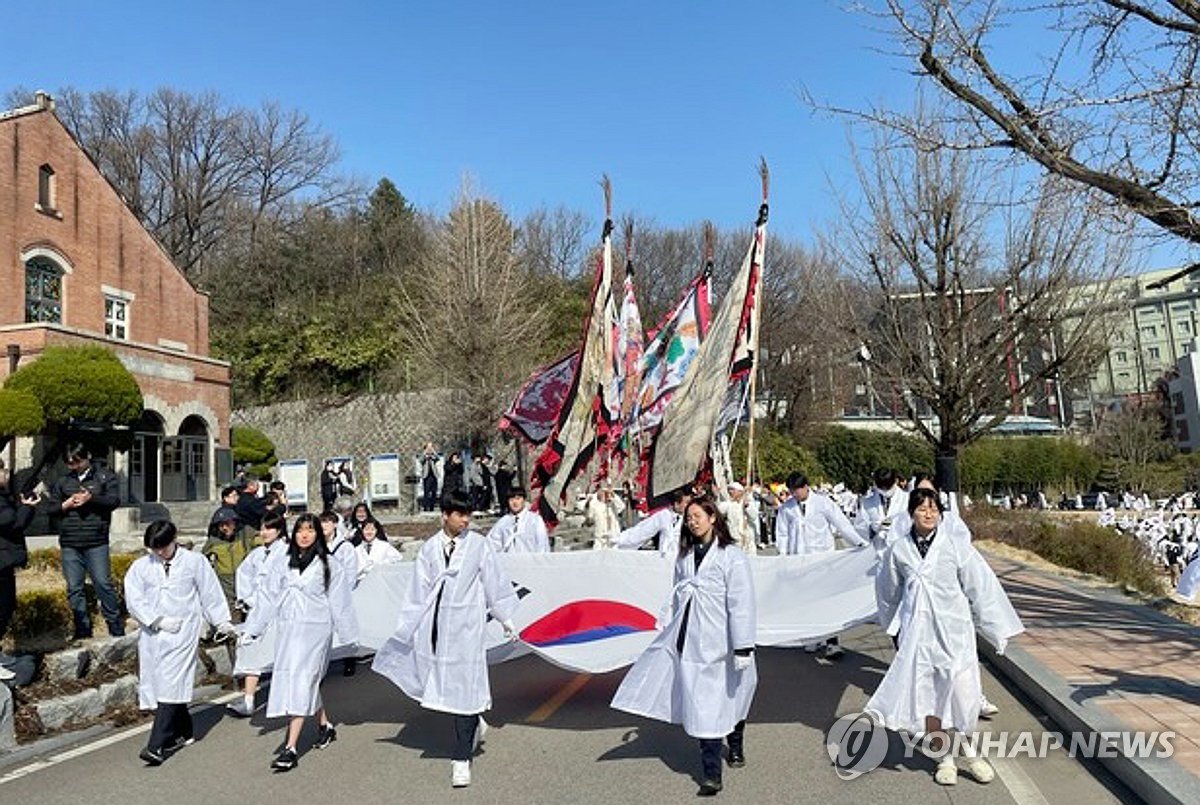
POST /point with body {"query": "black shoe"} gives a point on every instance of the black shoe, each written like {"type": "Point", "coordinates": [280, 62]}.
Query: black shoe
{"type": "Point", "coordinates": [153, 757]}
{"type": "Point", "coordinates": [116, 629]}
{"type": "Point", "coordinates": [286, 761]}
{"type": "Point", "coordinates": [325, 736]}
{"type": "Point", "coordinates": [737, 758]}
{"type": "Point", "coordinates": [179, 743]}
{"type": "Point", "coordinates": [349, 668]}
{"type": "Point", "coordinates": [709, 788]}
{"type": "Point", "coordinates": [80, 635]}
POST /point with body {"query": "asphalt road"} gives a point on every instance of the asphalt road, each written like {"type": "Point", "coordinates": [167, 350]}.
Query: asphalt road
{"type": "Point", "coordinates": [553, 739]}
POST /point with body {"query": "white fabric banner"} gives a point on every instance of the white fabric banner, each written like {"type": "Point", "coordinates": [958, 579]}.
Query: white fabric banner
{"type": "Point", "coordinates": [596, 611]}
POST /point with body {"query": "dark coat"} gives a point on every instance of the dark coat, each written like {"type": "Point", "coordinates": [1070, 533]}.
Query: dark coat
{"type": "Point", "coordinates": [14, 519]}
{"type": "Point", "coordinates": [85, 526]}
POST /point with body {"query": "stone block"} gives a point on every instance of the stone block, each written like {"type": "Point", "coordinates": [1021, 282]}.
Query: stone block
{"type": "Point", "coordinates": [66, 665]}
{"type": "Point", "coordinates": [122, 692]}
{"type": "Point", "coordinates": [8, 734]}
{"type": "Point", "coordinates": [113, 651]}
{"type": "Point", "coordinates": [54, 713]}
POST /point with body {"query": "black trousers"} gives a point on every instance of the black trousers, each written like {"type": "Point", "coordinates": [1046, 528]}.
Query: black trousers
{"type": "Point", "coordinates": [429, 487]}
{"type": "Point", "coordinates": [464, 736]}
{"type": "Point", "coordinates": [171, 723]}
{"type": "Point", "coordinates": [710, 751]}
{"type": "Point", "coordinates": [8, 597]}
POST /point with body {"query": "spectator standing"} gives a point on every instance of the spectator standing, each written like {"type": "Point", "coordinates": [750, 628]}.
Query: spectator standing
{"type": "Point", "coordinates": [329, 486]}
{"type": "Point", "coordinates": [15, 514]}
{"type": "Point", "coordinates": [429, 469]}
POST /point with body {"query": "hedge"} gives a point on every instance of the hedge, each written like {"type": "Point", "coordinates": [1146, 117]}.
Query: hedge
{"type": "Point", "coordinates": [87, 383]}
{"type": "Point", "coordinates": [251, 446]}
{"type": "Point", "coordinates": [20, 413]}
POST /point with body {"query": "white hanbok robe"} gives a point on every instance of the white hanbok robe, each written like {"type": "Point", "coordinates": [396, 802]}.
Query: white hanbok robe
{"type": "Point", "coordinates": [605, 517]}
{"type": "Point", "coordinates": [877, 510]}
{"type": "Point", "coordinates": [734, 512]}
{"type": "Point", "coordinates": [452, 676]}
{"type": "Point", "coordinates": [664, 523]}
{"type": "Point", "coordinates": [306, 616]}
{"type": "Point", "coordinates": [251, 587]}
{"type": "Point", "coordinates": [935, 605]}
{"type": "Point", "coordinates": [810, 529]}
{"type": "Point", "coordinates": [699, 688]}
{"type": "Point", "coordinates": [1189, 580]}
{"type": "Point", "coordinates": [190, 592]}
{"type": "Point", "coordinates": [371, 555]}
{"type": "Point", "coordinates": [524, 532]}
{"type": "Point", "coordinates": [341, 550]}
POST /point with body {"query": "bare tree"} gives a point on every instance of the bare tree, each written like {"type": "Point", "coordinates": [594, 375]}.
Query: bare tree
{"type": "Point", "coordinates": [1135, 435]}
{"type": "Point", "coordinates": [1112, 107]}
{"type": "Point", "coordinates": [961, 285]}
{"type": "Point", "coordinates": [472, 312]}
{"type": "Point", "coordinates": [554, 242]}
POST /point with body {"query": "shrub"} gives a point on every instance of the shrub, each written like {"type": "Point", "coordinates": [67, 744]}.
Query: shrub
{"type": "Point", "coordinates": [119, 563]}
{"type": "Point", "coordinates": [87, 383]}
{"type": "Point", "coordinates": [20, 413]}
{"type": "Point", "coordinates": [45, 559]}
{"type": "Point", "coordinates": [852, 456]}
{"type": "Point", "coordinates": [776, 455]}
{"type": "Point", "coordinates": [251, 445]}
{"type": "Point", "coordinates": [40, 613]}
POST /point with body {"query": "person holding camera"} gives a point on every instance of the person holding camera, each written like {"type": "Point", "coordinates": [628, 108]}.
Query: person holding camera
{"type": "Point", "coordinates": [15, 513]}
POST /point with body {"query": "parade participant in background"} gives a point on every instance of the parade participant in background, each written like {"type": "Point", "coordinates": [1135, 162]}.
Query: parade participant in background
{"type": "Point", "coordinates": [338, 534]}
{"type": "Point", "coordinates": [662, 527]}
{"type": "Point", "coordinates": [81, 503]}
{"type": "Point", "coordinates": [343, 508]}
{"type": "Point", "coordinates": [734, 512]}
{"type": "Point", "coordinates": [251, 589]}
{"type": "Point", "coordinates": [307, 597]}
{"type": "Point", "coordinates": [15, 515]}
{"type": "Point", "coordinates": [359, 515]}
{"type": "Point", "coordinates": [226, 548]}
{"type": "Point", "coordinates": [934, 590]}
{"type": "Point", "coordinates": [602, 510]}
{"type": "Point", "coordinates": [521, 530]}
{"type": "Point", "coordinates": [374, 549]}
{"type": "Point", "coordinates": [880, 506]}
{"type": "Point", "coordinates": [754, 515]}
{"type": "Point", "coordinates": [806, 524]}
{"type": "Point", "coordinates": [699, 671]}
{"type": "Point", "coordinates": [438, 655]}
{"type": "Point", "coordinates": [170, 592]}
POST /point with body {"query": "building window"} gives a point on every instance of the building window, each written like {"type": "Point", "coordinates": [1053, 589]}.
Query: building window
{"type": "Point", "coordinates": [1184, 327]}
{"type": "Point", "coordinates": [1182, 428]}
{"type": "Point", "coordinates": [1122, 357]}
{"type": "Point", "coordinates": [43, 290]}
{"type": "Point", "coordinates": [116, 318]}
{"type": "Point", "coordinates": [1153, 353]}
{"type": "Point", "coordinates": [1150, 331]}
{"type": "Point", "coordinates": [46, 189]}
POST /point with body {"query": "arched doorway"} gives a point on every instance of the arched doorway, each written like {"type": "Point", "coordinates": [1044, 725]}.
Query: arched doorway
{"type": "Point", "coordinates": [145, 465]}
{"type": "Point", "coordinates": [186, 462]}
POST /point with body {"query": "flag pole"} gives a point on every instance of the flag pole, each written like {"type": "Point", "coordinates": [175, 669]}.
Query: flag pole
{"type": "Point", "coordinates": [755, 318]}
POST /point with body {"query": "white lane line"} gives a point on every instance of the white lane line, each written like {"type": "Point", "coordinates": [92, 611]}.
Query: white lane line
{"type": "Point", "coordinates": [1020, 785]}
{"type": "Point", "coordinates": [99, 743]}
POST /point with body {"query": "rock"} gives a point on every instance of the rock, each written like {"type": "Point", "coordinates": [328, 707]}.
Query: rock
{"type": "Point", "coordinates": [122, 692]}
{"type": "Point", "coordinates": [66, 665]}
{"type": "Point", "coordinates": [54, 713]}
{"type": "Point", "coordinates": [114, 651]}
{"type": "Point", "coordinates": [8, 735]}
{"type": "Point", "coordinates": [25, 669]}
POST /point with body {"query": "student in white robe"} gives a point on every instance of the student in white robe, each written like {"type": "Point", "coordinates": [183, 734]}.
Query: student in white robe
{"type": "Point", "coordinates": [251, 577]}
{"type": "Point", "coordinates": [308, 599]}
{"type": "Point", "coordinates": [934, 591]}
{"type": "Point", "coordinates": [602, 510]}
{"type": "Point", "coordinates": [663, 526]}
{"type": "Point", "coordinates": [438, 654]}
{"type": "Point", "coordinates": [734, 512]}
{"type": "Point", "coordinates": [338, 533]}
{"type": "Point", "coordinates": [374, 551]}
{"type": "Point", "coordinates": [520, 530]}
{"type": "Point", "coordinates": [171, 592]}
{"type": "Point", "coordinates": [880, 506]}
{"type": "Point", "coordinates": [699, 671]}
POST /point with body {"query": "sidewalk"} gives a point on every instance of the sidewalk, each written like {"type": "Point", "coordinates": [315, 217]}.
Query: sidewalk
{"type": "Point", "coordinates": [1097, 662]}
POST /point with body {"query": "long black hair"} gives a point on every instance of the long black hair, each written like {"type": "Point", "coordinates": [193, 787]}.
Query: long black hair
{"type": "Point", "coordinates": [300, 558]}
{"type": "Point", "coordinates": [720, 527]}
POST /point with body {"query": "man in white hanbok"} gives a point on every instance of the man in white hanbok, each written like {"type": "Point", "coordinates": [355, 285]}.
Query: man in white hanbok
{"type": "Point", "coordinates": [308, 599]}
{"type": "Point", "coordinates": [438, 654]}
{"type": "Point", "coordinates": [602, 509]}
{"type": "Point", "coordinates": [734, 512]}
{"type": "Point", "coordinates": [699, 671]}
{"type": "Point", "coordinates": [171, 592]}
{"type": "Point", "coordinates": [934, 590]}
{"type": "Point", "coordinates": [521, 530]}
{"type": "Point", "coordinates": [663, 526]}
{"type": "Point", "coordinates": [880, 506]}
{"type": "Point", "coordinates": [251, 591]}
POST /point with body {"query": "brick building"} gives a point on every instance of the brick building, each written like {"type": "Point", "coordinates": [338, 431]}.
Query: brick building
{"type": "Point", "coordinates": [77, 267]}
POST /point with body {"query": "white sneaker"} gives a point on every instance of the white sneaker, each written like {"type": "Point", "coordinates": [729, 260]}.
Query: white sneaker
{"type": "Point", "coordinates": [480, 731]}
{"type": "Point", "coordinates": [979, 769]}
{"type": "Point", "coordinates": [947, 771]}
{"type": "Point", "coordinates": [460, 773]}
{"type": "Point", "coordinates": [986, 708]}
{"type": "Point", "coordinates": [6, 674]}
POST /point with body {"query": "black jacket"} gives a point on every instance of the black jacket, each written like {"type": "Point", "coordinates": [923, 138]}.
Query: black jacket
{"type": "Point", "coordinates": [85, 526]}
{"type": "Point", "coordinates": [14, 519]}
{"type": "Point", "coordinates": [250, 510]}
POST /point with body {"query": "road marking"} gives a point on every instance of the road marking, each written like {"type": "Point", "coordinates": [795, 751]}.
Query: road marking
{"type": "Point", "coordinates": [99, 743]}
{"type": "Point", "coordinates": [560, 698]}
{"type": "Point", "coordinates": [1020, 785]}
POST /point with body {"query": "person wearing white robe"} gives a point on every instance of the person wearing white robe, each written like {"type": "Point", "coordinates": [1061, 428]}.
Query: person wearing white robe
{"type": "Point", "coordinates": [699, 671]}
{"type": "Point", "coordinates": [308, 599]}
{"type": "Point", "coordinates": [880, 506]}
{"type": "Point", "coordinates": [171, 592]}
{"type": "Point", "coordinates": [339, 534]}
{"type": "Point", "coordinates": [438, 654]}
{"type": "Point", "coordinates": [373, 551]}
{"type": "Point", "coordinates": [734, 512]}
{"type": "Point", "coordinates": [934, 590]}
{"type": "Point", "coordinates": [603, 510]}
{"type": "Point", "coordinates": [662, 525]}
{"type": "Point", "coordinates": [521, 530]}
{"type": "Point", "coordinates": [250, 589]}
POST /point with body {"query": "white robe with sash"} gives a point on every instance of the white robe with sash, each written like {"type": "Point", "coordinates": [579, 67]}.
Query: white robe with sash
{"type": "Point", "coordinates": [524, 532]}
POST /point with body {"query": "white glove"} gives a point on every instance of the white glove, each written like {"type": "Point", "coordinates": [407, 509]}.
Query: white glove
{"type": "Point", "coordinates": [510, 631]}
{"type": "Point", "coordinates": [168, 624]}
{"type": "Point", "coordinates": [245, 638]}
{"type": "Point", "coordinates": [741, 663]}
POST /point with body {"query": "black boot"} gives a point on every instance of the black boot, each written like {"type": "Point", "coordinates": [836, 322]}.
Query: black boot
{"type": "Point", "coordinates": [710, 764]}
{"type": "Point", "coordinates": [737, 746]}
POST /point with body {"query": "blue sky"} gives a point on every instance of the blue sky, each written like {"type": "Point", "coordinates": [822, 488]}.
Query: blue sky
{"type": "Point", "coordinates": [674, 100]}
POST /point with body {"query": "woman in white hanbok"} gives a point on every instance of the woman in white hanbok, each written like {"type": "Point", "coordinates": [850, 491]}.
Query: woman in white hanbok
{"type": "Point", "coordinates": [171, 592]}
{"type": "Point", "coordinates": [307, 597]}
{"type": "Point", "coordinates": [250, 586]}
{"type": "Point", "coordinates": [699, 671]}
{"type": "Point", "coordinates": [934, 591]}
{"type": "Point", "coordinates": [438, 654]}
